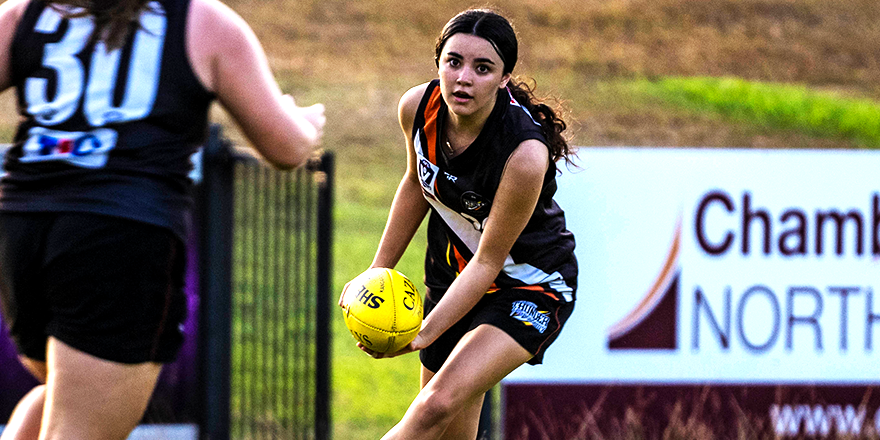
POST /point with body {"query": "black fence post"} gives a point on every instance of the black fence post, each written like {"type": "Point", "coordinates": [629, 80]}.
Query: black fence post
{"type": "Point", "coordinates": [214, 219]}
{"type": "Point", "coordinates": [325, 300]}
{"type": "Point", "coordinates": [486, 426]}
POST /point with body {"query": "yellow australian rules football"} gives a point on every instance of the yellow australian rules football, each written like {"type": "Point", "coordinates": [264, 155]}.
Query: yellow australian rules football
{"type": "Point", "coordinates": [382, 309]}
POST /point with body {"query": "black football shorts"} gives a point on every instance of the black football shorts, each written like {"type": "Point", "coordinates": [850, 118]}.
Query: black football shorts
{"type": "Point", "coordinates": [532, 318]}
{"type": "Point", "coordinates": [110, 287]}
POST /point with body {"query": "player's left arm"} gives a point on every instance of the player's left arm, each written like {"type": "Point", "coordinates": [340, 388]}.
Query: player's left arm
{"type": "Point", "coordinates": [514, 203]}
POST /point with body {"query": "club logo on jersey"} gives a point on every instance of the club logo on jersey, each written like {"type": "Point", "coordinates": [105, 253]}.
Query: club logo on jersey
{"type": "Point", "coordinates": [83, 149]}
{"type": "Point", "coordinates": [527, 312]}
{"type": "Point", "coordinates": [427, 175]}
{"type": "Point", "coordinates": [474, 202]}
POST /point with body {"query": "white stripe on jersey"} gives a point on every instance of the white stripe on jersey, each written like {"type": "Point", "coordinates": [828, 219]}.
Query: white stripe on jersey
{"type": "Point", "coordinates": [531, 275]}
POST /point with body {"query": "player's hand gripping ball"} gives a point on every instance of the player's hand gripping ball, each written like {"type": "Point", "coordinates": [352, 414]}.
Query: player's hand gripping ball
{"type": "Point", "coordinates": [382, 309]}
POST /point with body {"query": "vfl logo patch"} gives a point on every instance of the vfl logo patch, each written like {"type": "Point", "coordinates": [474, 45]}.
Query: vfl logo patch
{"type": "Point", "coordinates": [427, 175]}
{"type": "Point", "coordinates": [84, 149]}
{"type": "Point", "coordinates": [527, 312]}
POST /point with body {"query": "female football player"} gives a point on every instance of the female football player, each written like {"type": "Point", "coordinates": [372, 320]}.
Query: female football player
{"type": "Point", "coordinates": [500, 269]}
{"type": "Point", "coordinates": [113, 97]}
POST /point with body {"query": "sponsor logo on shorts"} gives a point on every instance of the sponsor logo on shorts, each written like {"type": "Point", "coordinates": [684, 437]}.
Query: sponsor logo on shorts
{"type": "Point", "coordinates": [527, 312]}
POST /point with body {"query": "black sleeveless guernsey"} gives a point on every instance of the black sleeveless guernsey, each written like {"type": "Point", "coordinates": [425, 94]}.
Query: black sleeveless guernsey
{"type": "Point", "coordinates": [103, 132]}
{"type": "Point", "coordinates": [461, 190]}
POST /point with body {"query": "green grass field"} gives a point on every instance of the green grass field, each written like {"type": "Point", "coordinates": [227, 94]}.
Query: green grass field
{"type": "Point", "coordinates": [703, 73]}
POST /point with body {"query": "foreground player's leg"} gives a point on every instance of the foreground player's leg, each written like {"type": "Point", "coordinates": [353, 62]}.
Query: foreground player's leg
{"type": "Point", "coordinates": [448, 406]}
{"type": "Point", "coordinates": [88, 398]}
{"type": "Point", "coordinates": [27, 416]}
{"type": "Point", "coordinates": [466, 424]}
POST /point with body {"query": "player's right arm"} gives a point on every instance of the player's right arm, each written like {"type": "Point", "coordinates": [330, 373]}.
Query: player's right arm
{"type": "Point", "coordinates": [10, 14]}
{"type": "Point", "coordinates": [230, 61]}
{"type": "Point", "coordinates": [409, 206]}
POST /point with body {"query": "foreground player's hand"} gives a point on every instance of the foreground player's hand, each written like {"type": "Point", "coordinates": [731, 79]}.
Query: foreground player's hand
{"type": "Point", "coordinates": [313, 114]}
{"type": "Point", "coordinates": [416, 345]}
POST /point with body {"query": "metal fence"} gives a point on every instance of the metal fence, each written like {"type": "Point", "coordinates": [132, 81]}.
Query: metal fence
{"type": "Point", "coordinates": [265, 303]}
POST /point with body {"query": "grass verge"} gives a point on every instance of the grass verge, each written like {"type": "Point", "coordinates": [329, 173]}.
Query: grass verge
{"type": "Point", "coordinates": [774, 106]}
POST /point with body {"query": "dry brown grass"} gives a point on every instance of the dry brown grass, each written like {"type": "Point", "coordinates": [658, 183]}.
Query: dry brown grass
{"type": "Point", "coordinates": [356, 51]}
{"type": "Point", "coordinates": [358, 57]}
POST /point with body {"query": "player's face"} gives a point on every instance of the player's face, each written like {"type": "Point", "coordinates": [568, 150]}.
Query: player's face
{"type": "Point", "coordinates": [471, 72]}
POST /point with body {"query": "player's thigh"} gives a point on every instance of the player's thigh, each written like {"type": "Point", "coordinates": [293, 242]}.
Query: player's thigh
{"type": "Point", "coordinates": [483, 357]}
{"type": "Point", "coordinates": [24, 424]}
{"type": "Point", "coordinates": [91, 398]}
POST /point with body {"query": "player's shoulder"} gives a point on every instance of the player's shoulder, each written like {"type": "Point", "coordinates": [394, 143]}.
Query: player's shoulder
{"type": "Point", "coordinates": [11, 11]}
{"type": "Point", "coordinates": [215, 19]}
{"type": "Point", "coordinates": [409, 103]}
{"type": "Point", "coordinates": [412, 97]}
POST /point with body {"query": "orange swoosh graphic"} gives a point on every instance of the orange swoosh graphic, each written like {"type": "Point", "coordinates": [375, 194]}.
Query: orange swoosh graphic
{"type": "Point", "coordinates": [655, 293]}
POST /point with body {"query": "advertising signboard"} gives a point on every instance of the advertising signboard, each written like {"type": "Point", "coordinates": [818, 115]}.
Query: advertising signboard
{"type": "Point", "coordinates": [731, 289]}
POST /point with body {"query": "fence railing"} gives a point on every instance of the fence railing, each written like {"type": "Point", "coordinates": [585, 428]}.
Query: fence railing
{"type": "Point", "coordinates": [265, 303]}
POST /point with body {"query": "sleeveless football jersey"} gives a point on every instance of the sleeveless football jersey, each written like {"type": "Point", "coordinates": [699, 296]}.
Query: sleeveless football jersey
{"type": "Point", "coordinates": [461, 190]}
{"type": "Point", "coordinates": [105, 132]}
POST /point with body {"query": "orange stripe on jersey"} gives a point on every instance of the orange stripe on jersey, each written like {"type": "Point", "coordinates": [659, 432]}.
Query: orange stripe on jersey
{"type": "Point", "coordinates": [432, 111]}
{"type": "Point", "coordinates": [461, 262]}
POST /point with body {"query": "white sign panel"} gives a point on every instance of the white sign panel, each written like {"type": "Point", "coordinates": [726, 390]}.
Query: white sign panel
{"type": "Point", "coordinates": [723, 266]}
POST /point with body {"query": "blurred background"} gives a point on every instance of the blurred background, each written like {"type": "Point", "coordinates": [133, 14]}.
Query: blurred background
{"type": "Point", "coordinates": [801, 74]}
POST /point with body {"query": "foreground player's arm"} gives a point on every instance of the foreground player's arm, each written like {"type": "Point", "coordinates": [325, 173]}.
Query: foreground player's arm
{"type": "Point", "coordinates": [10, 14]}
{"type": "Point", "coordinates": [512, 208]}
{"type": "Point", "coordinates": [229, 60]}
{"type": "Point", "coordinates": [409, 206]}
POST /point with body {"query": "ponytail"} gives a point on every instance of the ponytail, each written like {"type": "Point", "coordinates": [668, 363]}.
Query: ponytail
{"type": "Point", "coordinates": [550, 119]}
{"type": "Point", "coordinates": [114, 19]}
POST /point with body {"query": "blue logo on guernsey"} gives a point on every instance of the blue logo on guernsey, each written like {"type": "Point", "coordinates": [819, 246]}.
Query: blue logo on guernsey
{"type": "Point", "coordinates": [527, 312]}
{"type": "Point", "coordinates": [83, 149]}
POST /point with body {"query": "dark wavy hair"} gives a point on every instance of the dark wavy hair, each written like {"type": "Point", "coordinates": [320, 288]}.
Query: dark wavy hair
{"type": "Point", "coordinates": [497, 30]}
{"type": "Point", "coordinates": [114, 19]}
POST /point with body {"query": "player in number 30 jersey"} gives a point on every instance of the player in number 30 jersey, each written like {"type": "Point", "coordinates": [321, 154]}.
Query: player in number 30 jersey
{"type": "Point", "coordinates": [113, 97]}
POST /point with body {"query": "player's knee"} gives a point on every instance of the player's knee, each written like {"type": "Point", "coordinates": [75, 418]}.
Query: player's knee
{"type": "Point", "coordinates": [438, 405]}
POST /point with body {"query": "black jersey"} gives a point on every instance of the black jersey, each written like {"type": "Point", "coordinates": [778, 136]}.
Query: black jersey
{"type": "Point", "coordinates": [461, 190]}
{"type": "Point", "coordinates": [106, 132]}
